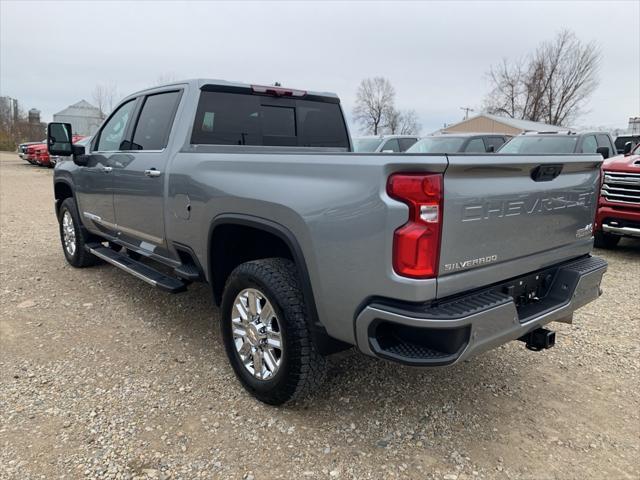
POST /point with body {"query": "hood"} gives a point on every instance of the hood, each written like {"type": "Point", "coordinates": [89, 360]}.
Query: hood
{"type": "Point", "coordinates": [620, 163]}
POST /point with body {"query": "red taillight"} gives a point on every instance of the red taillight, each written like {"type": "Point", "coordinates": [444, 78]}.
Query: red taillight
{"type": "Point", "coordinates": [416, 245]}
{"type": "Point", "coordinates": [278, 91]}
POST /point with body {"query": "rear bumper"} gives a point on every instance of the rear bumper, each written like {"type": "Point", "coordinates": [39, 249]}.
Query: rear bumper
{"type": "Point", "coordinates": [459, 328]}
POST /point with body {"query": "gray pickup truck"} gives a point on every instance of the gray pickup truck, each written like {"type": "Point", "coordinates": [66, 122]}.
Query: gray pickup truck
{"type": "Point", "coordinates": [310, 248]}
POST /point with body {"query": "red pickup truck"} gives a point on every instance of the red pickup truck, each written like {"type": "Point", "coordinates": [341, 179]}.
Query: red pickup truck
{"type": "Point", "coordinates": [618, 212]}
{"type": "Point", "coordinates": [38, 153]}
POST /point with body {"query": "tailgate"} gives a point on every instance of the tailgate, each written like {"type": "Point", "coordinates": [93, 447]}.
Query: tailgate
{"type": "Point", "coordinates": [505, 215]}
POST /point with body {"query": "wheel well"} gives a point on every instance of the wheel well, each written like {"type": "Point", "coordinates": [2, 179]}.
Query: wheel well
{"type": "Point", "coordinates": [232, 245]}
{"type": "Point", "coordinates": [61, 190]}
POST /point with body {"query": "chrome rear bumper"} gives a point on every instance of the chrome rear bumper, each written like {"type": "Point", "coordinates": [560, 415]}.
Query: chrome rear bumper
{"type": "Point", "coordinates": [457, 329]}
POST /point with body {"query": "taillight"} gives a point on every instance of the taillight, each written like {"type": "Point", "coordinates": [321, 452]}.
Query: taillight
{"type": "Point", "coordinates": [278, 91]}
{"type": "Point", "coordinates": [416, 245]}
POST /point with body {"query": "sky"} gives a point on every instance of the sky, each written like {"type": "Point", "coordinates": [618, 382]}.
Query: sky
{"type": "Point", "coordinates": [436, 54]}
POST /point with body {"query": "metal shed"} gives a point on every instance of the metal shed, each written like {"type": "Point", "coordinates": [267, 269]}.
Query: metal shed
{"type": "Point", "coordinates": [488, 123]}
{"type": "Point", "coordinates": [83, 117]}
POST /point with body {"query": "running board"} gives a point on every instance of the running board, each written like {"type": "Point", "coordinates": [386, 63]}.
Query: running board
{"type": "Point", "coordinates": [137, 269]}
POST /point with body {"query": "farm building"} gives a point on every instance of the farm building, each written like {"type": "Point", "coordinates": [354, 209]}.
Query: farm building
{"type": "Point", "coordinates": [488, 123]}
{"type": "Point", "coordinates": [83, 117]}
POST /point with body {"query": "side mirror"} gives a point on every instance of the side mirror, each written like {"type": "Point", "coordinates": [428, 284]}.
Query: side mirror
{"type": "Point", "coordinates": [627, 148]}
{"type": "Point", "coordinates": [59, 139]}
{"type": "Point", "coordinates": [79, 158]}
{"type": "Point", "coordinates": [491, 149]}
{"type": "Point", "coordinates": [604, 151]}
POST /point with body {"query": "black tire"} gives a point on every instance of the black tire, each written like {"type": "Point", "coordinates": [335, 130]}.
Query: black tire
{"type": "Point", "coordinates": [302, 369]}
{"type": "Point", "coordinates": [79, 257]}
{"type": "Point", "coordinates": [606, 240]}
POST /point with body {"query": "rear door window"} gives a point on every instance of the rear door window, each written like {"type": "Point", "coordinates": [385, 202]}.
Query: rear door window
{"type": "Point", "coordinates": [224, 118]}
{"type": "Point", "coordinates": [154, 122]}
{"type": "Point", "coordinates": [475, 145]}
{"type": "Point", "coordinates": [406, 143]}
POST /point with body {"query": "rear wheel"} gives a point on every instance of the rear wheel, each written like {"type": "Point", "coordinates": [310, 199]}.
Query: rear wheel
{"type": "Point", "coordinates": [265, 332]}
{"type": "Point", "coordinates": [606, 240]}
{"type": "Point", "coordinates": [74, 236]}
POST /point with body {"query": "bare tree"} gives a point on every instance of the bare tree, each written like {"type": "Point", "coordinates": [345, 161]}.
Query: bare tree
{"type": "Point", "coordinates": [402, 122]}
{"type": "Point", "coordinates": [551, 85]}
{"type": "Point", "coordinates": [374, 102]}
{"type": "Point", "coordinates": [105, 96]}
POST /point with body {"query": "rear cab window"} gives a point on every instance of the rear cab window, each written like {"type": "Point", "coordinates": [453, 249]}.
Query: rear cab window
{"type": "Point", "coordinates": [244, 118]}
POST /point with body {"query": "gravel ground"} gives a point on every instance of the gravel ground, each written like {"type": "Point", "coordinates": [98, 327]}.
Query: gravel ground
{"type": "Point", "coordinates": [101, 376]}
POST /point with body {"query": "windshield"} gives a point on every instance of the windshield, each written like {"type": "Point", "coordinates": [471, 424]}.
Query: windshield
{"type": "Point", "coordinates": [540, 144]}
{"type": "Point", "coordinates": [365, 144]}
{"type": "Point", "coordinates": [437, 145]}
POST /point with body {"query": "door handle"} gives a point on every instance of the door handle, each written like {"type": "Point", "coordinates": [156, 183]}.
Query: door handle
{"type": "Point", "coordinates": [106, 169]}
{"type": "Point", "coordinates": [152, 172]}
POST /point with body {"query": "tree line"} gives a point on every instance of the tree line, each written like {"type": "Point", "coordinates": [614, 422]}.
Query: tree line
{"type": "Point", "coordinates": [552, 84]}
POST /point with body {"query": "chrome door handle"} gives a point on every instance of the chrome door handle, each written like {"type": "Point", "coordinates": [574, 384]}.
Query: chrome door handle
{"type": "Point", "coordinates": [107, 169]}
{"type": "Point", "coordinates": [152, 172]}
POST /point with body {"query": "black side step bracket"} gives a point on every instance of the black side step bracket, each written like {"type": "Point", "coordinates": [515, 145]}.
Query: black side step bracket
{"type": "Point", "coordinates": [137, 269]}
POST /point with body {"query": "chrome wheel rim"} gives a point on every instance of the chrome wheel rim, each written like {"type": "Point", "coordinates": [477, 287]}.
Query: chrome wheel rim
{"type": "Point", "coordinates": [68, 233]}
{"type": "Point", "coordinates": [256, 333]}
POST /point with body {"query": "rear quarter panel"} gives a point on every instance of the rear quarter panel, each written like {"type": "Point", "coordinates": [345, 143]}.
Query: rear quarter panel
{"type": "Point", "coordinates": [335, 205]}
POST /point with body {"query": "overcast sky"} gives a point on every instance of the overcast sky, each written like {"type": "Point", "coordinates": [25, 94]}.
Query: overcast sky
{"type": "Point", "coordinates": [436, 54]}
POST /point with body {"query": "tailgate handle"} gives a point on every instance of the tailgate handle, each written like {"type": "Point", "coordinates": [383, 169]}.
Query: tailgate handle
{"type": "Point", "coordinates": [545, 173]}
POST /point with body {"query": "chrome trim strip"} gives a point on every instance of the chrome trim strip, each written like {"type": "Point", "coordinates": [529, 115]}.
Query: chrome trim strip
{"type": "Point", "coordinates": [123, 267]}
{"type": "Point", "coordinates": [634, 232]}
{"type": "Point", "coordinates": [121, 228]}
{"type": "Point", "coordinates": [142, 236]}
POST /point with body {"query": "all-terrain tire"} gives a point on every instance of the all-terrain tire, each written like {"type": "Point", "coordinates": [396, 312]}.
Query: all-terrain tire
{"type": "Point", "coordinates": [302, 369]}
{"type": "Point", "coordinates": [74, 236]}
{"type": "Point", "coordinates": [606, 240]}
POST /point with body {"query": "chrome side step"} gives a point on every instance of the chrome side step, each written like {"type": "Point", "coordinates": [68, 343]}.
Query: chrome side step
{"type": "Point", "coordinates": [137, 269]}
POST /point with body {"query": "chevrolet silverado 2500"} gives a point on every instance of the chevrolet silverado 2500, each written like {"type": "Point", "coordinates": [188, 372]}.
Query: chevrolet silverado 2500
{"type": "Point", "coordinates": [310, 248]}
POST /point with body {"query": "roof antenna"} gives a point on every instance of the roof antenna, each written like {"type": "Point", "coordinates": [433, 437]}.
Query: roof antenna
{"type": "Point", "coordinates": [277, 84]}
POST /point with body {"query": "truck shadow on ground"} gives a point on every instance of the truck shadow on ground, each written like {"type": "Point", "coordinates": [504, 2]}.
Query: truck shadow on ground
{"type": "Point", "coordinates": [357, 385]}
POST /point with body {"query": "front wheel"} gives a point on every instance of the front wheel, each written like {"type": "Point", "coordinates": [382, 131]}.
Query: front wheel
{"type": "Point", "coordinates": [74, 237]}
{"type": "Point", "coordinates": [265, 332]}
{"type": "Point", "coordinates": [606, 240]}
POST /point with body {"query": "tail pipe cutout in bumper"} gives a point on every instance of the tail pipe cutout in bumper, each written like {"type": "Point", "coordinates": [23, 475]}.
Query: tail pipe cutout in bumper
{"type": "Point", "coordinates": [454, 329]}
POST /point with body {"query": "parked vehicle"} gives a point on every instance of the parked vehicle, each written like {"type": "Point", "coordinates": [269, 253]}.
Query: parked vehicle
{"type": "Point", "coordinates": [383, 143]}
{"type": "Point", "coordinates": [622, 140]}
{"type": "Point", "coordinates": [79, 140]}
{"type": "Point", "coordinates": [425, 260]}
{"type": "Point", "coordinates": [560, 142]}
{"type": "Point", "coordinates": [459, 143]}
{"type": "Point", "coordinates": [22, 149]}
{"type": "Point", "coordinates": [41, 155]}
{"type": "Point", "coordinates": [619, 202]}
{"type": "Point", "coordinates": [31, 154]}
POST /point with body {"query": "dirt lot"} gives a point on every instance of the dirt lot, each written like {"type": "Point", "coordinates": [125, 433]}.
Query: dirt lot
{"type": "Point", "coordinates": [102, 376]}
